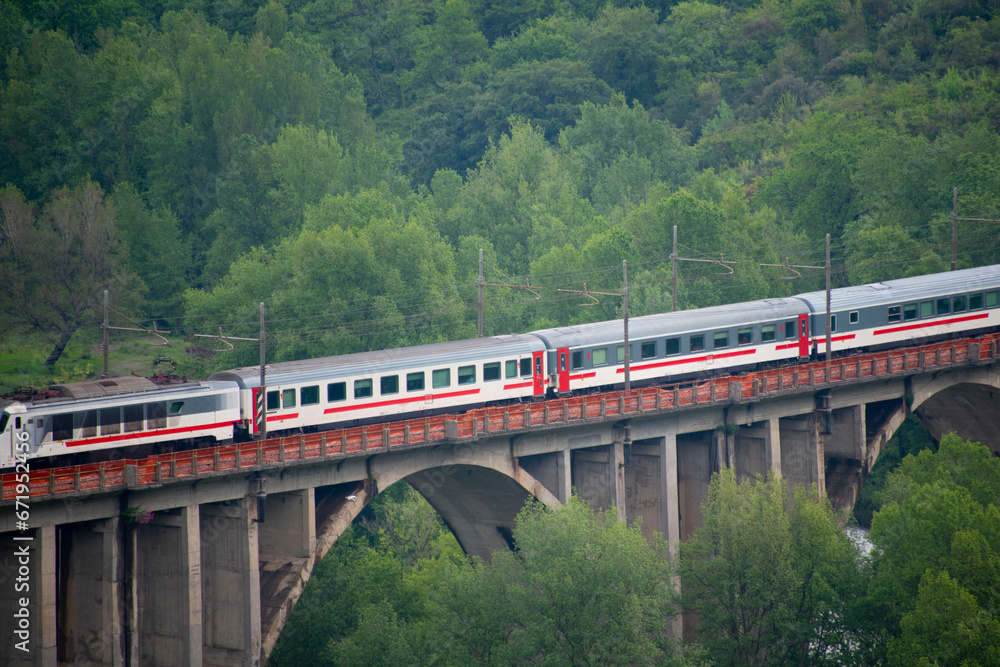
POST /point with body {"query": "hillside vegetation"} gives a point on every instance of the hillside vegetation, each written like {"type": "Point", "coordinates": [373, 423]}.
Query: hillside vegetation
{"type": "Point", "coordinates": [343, 162]}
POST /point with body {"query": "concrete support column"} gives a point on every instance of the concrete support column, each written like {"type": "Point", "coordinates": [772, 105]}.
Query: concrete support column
{"type": "Point", "coordinates": [83, 633]}
{"type": "Point", "coordinates": [772, 444]}
{"type": "Point", "coordinates": [168, 589]}
{"type": "Point", "coordinates": [231, 583]}
{"type": "Point", "coordinates": [616, 470]}
{"type": "Point", "coordinates": [721, 451]}
{"type": "Point", "coordinates": [564, 475]}
{"type": "Point", "coordinates": [191, 558]}
{"type": "Point", "coordinates": [669, 503]}
{"type": "Point", "coordinates": [28, 576]}
{"type": "Point", "coordinates": [112, 594]}
{"type": "Point", "coordinates": [46, 538]}
{"type": "Point", "coordinates": [819, 459]}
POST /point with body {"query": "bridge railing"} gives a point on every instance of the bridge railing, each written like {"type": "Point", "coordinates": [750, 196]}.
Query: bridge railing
{"type": "Point", "coordinates": [393, 436]}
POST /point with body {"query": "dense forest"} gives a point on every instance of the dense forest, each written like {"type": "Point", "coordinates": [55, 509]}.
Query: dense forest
{"type": "Point", "coordinates": [345, 161]}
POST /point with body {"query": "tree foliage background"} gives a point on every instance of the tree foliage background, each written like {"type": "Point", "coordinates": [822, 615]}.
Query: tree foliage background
{"type": "Point", "coordinates": [391, 140]}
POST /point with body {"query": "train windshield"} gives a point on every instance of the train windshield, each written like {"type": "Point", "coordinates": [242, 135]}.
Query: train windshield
{"type": "Point", "coordinates": [4, 418]}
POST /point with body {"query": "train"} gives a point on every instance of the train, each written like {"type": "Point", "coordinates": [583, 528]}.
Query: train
{"type": "Point", "coordinates": [133, 416]}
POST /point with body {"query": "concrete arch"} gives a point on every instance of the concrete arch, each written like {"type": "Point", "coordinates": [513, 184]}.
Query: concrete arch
{"type": "Point", "coordinates": [966, 403]}
{"type": "Point", "coordinates": [478, 491]}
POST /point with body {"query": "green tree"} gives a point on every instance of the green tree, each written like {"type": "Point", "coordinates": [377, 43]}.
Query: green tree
{"type": "Point", "coordinates": [608, 138]}
{"type": "Point", "coordinates": [937, 556]}
{"type": "Point", "coordinates": [581, 588]}
{"type": "Point", "coordinates": [623, 48]}
{"type": "Point", "coordinates": [56, 265]}
{"type": "Point", "coordinates": [770, 585]}
{"type": "Point", "coordinates": [157, 251]}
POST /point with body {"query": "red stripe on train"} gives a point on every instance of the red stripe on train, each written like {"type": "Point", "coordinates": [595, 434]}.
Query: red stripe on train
{"type": "Point", "coordinates": [401, 401]}
{"type": "Point", "coordinates": [924, 325]}
{"type": "Point", "coordinates": [146, 434]}
{"type": "Point", "coordinates": [677, 362]}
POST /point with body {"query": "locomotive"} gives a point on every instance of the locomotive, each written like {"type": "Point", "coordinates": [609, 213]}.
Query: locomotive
{"type": "Point", "coordinates": [135, 415]}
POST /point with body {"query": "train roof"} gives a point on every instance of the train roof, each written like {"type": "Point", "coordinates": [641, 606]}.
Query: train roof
{"type": "Point", "coordinates": [672, 324]}
{"type": "Point", "coordinates": [384, 361]}
{"type": "Point", "coordinates": [96, 393]}
{"type": "Point", "coordinates": [905, 289]}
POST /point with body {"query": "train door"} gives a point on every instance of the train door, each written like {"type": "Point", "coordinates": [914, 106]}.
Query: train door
{"type": "Point", "coordinates": [562, 368]}
{"type": "Point", "coordinates": [537, 374]}
{"type": "Point", "coordinates": [803, 335]}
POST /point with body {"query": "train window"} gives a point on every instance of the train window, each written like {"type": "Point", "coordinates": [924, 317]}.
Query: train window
{"type": "Point", "coordinates": [309, 395]}
{"type": "Point", "coordinates": [943, 306]}
{"type": "Point", "coordinates": [510, 369]}
{"type": "Point", "coordinates": [133, 418]}
{"type": "Point", "coordinates": [526, 367]}
{"type": "Point", "coordinates": [288, 398]}
{"type": "Point", "coordinates": [648, 350]}
{"type": "Point", "coordinates": [599, 357]}
{"type": "Point", "coordinates": [910, 311]}
{"type": "Point", "coordinates": [790, 329]}
{"type": "Point", "coordinates": [491, 371]}
{"type": "Point", "coordinates": [89, 425]}
{"type": "Point", "coordinates": [62, 427]}
{"type": "Point", "coordinates": [578, 359]}
{"type": "Point", "coordinates": [833, 323]}
{"type": "Point", "coordinates": [927, 309]}
{"type": "Point", "coordinates": [975, 302]}
{"type": "Point", "coordinates": [958, 304]}
{"type": "Point", "coordinates": [744, 336]}
{"type": "Point", "coordinates": [363, 388]}
{"type": "Point", "coordinates": [336, 391]}
{"type": "Point", "coordinates": [156, 415]}
{"type": "Point", "coordinates": [621, 354]}
{"type": "Point", "coordinates": [176, 408]}
{"type": "Point", "coordinates": [895, 314]}
{"type": "Point", "coordinates": [991, 299]}
{"type": "Point", "coordinates": [720, 340]}
{"type": "Point", "coordinates": [467, 375]}
{"type": "Point", "coordinates": [274, 400]}
{"type": "Point", "coordinates": [698, 342]}
{"type": "Point", "coordinates": [415, 381]}
{"type": "Point", "coordinates": [673, 346]}
{"type": "Point", "coordinates": [853, 317]}
{"type": "Point", "coordinates": [441, 378]}
{"type": "Point", "coordinates": [111, 421]}
{"type": "Point", "coordinates": [767, 333]}
{"type": "Point", "coordinates": [389, 385]}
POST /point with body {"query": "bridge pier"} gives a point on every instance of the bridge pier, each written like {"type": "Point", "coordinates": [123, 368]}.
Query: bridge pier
{"type": "Point", "coordinates": [166, 569]}
{"type": "Point", "coordinates": [30, 563]}
{"type": "Point", "coordinates": [231, 618]}
{"type": "Point", "coordinates": [89, 579]}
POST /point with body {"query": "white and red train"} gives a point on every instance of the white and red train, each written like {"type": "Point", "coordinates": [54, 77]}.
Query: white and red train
{"type": "Point", "coordinates": [134, 414]}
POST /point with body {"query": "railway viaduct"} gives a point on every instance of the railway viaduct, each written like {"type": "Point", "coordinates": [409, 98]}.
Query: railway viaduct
{"type": "Point", "coordinates": [236, 531]}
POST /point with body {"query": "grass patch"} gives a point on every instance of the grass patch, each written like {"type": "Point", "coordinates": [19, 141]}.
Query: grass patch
{"type": "Point", "coordinates": [22, 358]}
